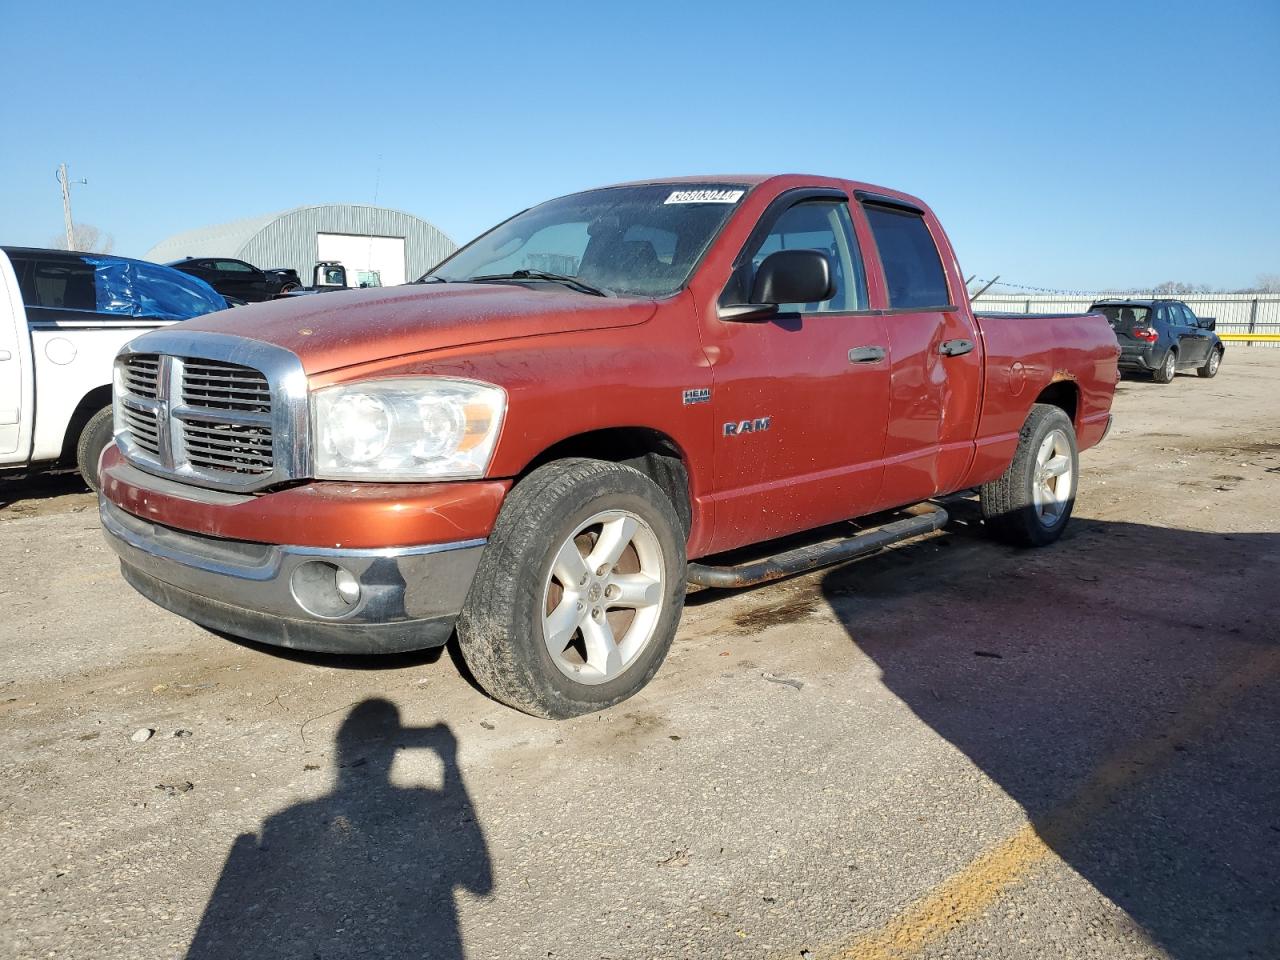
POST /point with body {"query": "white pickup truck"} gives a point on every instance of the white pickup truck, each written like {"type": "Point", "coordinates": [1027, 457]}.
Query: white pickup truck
{"type": "Point", "coordinates": [63, 318]}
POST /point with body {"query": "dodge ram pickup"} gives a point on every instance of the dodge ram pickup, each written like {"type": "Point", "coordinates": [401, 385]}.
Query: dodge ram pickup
{"type": "Point", "coordinates": [537, 445]}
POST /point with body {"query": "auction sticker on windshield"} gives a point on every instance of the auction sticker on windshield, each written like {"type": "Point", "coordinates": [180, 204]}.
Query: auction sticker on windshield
{"type": "Point", "coordinates": [705, 196]}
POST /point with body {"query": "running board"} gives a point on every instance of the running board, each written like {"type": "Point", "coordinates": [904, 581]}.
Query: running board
{"type": "Point", "coordinates": [928, 518]}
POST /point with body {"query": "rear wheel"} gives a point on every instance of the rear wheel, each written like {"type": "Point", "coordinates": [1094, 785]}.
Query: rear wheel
{"type": "Point", "coordinates": [1211, 363]}
{"type": "Point", "coordinates": [1165, 372]}
{"type": "Point", "coordinates": [94, 438]}
{"type": "Point", "coordinates": [1030, 504]}
{"type": "Point", "coordinates": [579, 592]}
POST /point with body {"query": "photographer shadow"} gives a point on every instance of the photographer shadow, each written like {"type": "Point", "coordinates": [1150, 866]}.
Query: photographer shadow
{"type": "Point", "coordinates": [367, 870]}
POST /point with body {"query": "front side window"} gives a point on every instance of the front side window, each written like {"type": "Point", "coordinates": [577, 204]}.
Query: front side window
{"type": "Point", "coordinates": [629, 241]}
{"type": "Point", "coordinates": [822, 225]}
{"type": "Point", "coordinates": [912, 267]}
{"type": "Point", "coordinates": [233, 266]}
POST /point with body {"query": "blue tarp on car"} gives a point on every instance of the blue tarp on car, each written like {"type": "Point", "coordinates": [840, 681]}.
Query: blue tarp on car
{"type": "Point", "coordinates": [135, 288]}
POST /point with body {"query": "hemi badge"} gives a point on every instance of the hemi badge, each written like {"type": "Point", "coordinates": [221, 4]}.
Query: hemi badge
{"type": "Point", "coordinates": [697, 395]}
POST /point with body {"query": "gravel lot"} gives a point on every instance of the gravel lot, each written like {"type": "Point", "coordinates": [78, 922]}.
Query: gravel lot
{"type": "Point", "coordinates": [985, 753]}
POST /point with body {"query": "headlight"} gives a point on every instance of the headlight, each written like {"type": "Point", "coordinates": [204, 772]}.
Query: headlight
{"type": "Point", "coordinates": [419, 428]}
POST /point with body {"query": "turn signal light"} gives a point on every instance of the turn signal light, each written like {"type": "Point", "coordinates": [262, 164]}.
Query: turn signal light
{"type": "Point", "coordinates": [1146, 333]}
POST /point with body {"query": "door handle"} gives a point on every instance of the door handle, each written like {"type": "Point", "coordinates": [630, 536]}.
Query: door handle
{"type": "Point", "coordinates": [866, 354]}
{"type": "Point", "coordinates": [955, 348]}
{"type": "Point", "coordinates": [5, 354]}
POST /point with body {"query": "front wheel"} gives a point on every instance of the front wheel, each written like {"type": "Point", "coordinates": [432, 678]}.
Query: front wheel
{"type": "Point", "coordinates": [1210, 366]}
{"type": "Point", "coordinates": [1030, 504]}
{"type": "Point", "coordinates": [579, 591]}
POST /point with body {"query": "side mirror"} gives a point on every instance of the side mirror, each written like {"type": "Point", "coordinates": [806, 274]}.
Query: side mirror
{"type": "Point", "coordinates": [787, 276]}
{"type": "Point", "coordinates": [1208, 323]}
{"type": "Point", "coordinates": [794, 276]}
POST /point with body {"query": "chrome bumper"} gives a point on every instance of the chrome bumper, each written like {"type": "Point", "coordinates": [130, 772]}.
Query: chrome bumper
{"type": "Point", "coordinates": [308, 598]}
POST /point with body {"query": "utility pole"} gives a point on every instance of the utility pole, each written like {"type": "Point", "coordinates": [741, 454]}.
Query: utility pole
{"type": "Point", "coordinates": [66, 204]}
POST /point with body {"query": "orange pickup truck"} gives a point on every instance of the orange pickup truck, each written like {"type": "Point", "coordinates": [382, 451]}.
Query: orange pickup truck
{"type": "Point", "coordinates": [540, 443]}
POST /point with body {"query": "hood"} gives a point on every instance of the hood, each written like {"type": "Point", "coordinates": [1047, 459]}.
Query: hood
{"type": "Point", "coordinates": [332, 330]}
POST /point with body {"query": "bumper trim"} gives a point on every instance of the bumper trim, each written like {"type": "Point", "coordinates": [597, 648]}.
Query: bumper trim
{"type": "Point", "coordinates": [310, 635]}
{"type": "Point", "coordinates": [408, 597]}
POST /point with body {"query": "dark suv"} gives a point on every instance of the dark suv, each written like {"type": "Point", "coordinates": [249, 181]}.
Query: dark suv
{"type": "Point", "coordinates": [1161, 337]}
{"type": "Point", "coordinates": [235, 278]}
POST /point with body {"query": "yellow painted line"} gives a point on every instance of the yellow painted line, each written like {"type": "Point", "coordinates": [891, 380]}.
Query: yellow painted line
{"type": "Point", "coordinates": [1265, 337]}
{"type": "Point", "coordinates": [966, 895]}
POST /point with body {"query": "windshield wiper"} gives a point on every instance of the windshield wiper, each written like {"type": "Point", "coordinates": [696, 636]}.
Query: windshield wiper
{"type": "Point", "coordinates": [572, 282]}
{"type": "Point", "coordinates": [431, 278]}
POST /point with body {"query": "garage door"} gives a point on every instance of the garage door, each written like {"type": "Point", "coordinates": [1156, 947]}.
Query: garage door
{"type": "Point", "coordinates": [365, 258]}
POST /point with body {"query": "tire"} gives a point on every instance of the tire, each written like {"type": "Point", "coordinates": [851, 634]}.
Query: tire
{"type": "Point", "coordinates": [1011, 506]}
{"type": "Point", "coordinates": [1209, 368]}
{"type": "Point", "coordinates": [560, 512]}
{"type": "Point", "coordinates": [97, 434]}
{"type": "Point", "coordinates": [1166, 371]}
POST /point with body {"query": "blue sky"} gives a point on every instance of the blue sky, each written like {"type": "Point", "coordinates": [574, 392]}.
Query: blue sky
{"type": "Point", "coordinates": [1070, 145]}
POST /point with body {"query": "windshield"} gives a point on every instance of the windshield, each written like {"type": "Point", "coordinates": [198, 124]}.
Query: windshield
{"type": "Point", "coordinates": [634, 241]}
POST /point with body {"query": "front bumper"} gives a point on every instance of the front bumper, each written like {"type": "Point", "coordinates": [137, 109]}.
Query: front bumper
{"type": "Point", "coordinates": [405, 598]}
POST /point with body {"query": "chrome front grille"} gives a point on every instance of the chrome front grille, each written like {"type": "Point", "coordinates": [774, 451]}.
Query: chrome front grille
{"type": "Point", "coordinates": [226, 419]}
{"type": "Point", "coordinates": [224, 386]}
{"type": "Point", "coordinates": [187, 408]}
{"type": "Point", "coordinates": [141, 371]}
{"type": "Point", "coordinates": [234, 447]}
{"type": "Point", "coordinates": [144, 428]}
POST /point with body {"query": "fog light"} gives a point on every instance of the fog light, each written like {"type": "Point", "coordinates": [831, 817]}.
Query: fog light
{"type": "Point", "coordinates": [325, 589]}
{"type": "Point", "coordinates": [348, 586]}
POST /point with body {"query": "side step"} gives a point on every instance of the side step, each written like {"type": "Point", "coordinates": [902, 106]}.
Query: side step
{"type": "Point", "coordinates": [927, 518]}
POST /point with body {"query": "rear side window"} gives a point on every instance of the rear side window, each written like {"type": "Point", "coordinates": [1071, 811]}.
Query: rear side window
{"type": "Point", "coordinates": [63, 284]}
{"type": "Point", "coordinates": [912, 268]}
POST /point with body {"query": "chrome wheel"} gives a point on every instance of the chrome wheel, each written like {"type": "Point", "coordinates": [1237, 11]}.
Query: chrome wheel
{"type": "Point", "coordinates": [1054, 480]}
{"type": "Point", "coordinates": [1170, 367]}
{"type": "Point", "coordinates": [603, 596]}
{"type": "Point", "coordinates": [1215, 358]}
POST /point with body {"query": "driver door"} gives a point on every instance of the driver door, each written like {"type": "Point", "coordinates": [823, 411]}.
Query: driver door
{"type": "Point", "coordinates": [800, 400]}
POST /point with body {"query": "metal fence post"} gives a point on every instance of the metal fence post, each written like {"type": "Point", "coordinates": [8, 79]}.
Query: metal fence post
{"type": "Point", "coordinates": [1253, 320]}
{"type": "Point", "coordinates": [1028, 310]}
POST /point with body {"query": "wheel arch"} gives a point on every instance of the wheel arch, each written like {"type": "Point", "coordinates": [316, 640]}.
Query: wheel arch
{"type": "Point", "coordinates": [652, 452]}
{"type": "Point", "coordinates": [89, 404]}
{"type": "Point", "coordinates": [1063, 394]}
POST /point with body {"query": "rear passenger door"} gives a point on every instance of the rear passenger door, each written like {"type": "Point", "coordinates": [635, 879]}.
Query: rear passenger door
{"type": "Point", "coordinates": [1195, 341]}
{"type": "Point", "coordinates": [801, 399]}
{"type": "Point", "coordinates": [935, 354]}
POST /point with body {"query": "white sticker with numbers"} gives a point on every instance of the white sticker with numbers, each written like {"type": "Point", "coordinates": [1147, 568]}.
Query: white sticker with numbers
{"type": "Point", "coordinates": [705, 196]}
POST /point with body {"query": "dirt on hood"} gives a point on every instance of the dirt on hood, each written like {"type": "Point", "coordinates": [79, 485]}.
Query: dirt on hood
{"type": "Point", "coordinates": [339, 329]}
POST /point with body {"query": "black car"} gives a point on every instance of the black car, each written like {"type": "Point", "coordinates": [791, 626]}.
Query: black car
{"type": "Point", "coordinates": [1161, 337]}
{"type": "Point", "coordinates": [235, 278]}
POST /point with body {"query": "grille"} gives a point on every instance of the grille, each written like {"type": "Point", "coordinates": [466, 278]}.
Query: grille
{"type": "Point", "coordinates": [224, 386]}
{"type": "Point", "coordinates": [143, 429]}
{"type": "Point", "coordinates": [235, 447]}
{"type": "Point", "coordinates": [226, 420]}
{"type": "Point", "coordinates": [141, 374]}
{"type": "Point", "coordinates": [202, 420]}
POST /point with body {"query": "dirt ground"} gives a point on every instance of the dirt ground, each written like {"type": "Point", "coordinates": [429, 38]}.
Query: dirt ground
{"type": "Point", "coordinates": [952, 749]}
